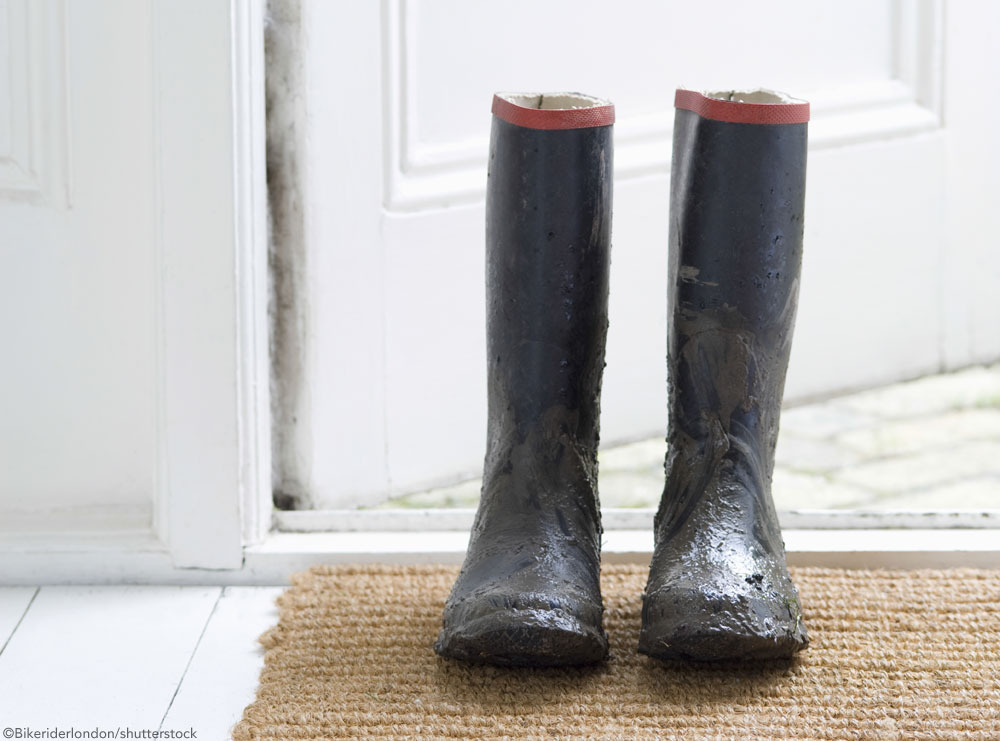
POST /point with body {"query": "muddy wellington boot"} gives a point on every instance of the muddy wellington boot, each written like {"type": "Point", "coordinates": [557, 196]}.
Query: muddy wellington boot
{"type": "Point", "coordinates": [718, 585]}
{"type": "Point", "coordinates": [529, 591]}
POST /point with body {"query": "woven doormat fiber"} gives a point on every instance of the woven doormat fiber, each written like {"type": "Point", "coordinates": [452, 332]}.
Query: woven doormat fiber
{"type": "Point", "coordinates": [893, 654]}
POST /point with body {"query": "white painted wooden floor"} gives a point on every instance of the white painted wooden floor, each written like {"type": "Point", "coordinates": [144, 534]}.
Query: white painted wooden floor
{"type": "Point", "coordinates": [137, 657]}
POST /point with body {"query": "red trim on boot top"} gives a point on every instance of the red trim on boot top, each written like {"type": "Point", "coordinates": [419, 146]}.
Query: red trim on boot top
{"type": "Point", "coordinates": [733, 111]}
{"type": "Point", "coordinates": [597, 113]}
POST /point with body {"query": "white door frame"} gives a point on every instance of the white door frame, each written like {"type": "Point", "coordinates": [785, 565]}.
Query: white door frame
{"type": "Point", "coordinates": [212, 255]}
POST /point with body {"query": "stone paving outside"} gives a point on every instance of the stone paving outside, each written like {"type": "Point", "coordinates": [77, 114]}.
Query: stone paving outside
{"type": "Point", "coordinates": [932, 443]}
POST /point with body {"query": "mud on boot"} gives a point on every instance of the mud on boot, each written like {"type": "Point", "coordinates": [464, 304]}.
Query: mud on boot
{"type": "Point", "coordinates": [529, 592]}
{"type": "Point", "coordinates": [718, 585]}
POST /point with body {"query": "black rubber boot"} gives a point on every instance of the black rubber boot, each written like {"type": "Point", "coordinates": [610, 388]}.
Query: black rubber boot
{"type": "Point", "coordinates": [529, 591]}
{"type": "Point", "coordinates": [718, 585]}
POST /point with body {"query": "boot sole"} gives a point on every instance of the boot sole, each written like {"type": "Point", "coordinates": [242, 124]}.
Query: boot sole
{"type": "Point", "coordinates": [698, 630]}
{"type": "Point", "coordinates": [720, 645]}
{"type": "Point", "coordinates": [525, 638]}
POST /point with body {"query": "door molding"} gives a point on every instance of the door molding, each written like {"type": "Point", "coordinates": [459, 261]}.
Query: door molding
{"type": "Point", "coordinates": [35, 167]}
{"type": "Point", "coordinates": [421, 175]}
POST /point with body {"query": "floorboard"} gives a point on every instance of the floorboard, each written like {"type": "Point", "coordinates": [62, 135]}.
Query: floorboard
{"type": "Point", "coordinates": [222, 677]}
{"type": "Point", "coordinates": [14, 603]}
{"type": "Point", "coordinates": [105, 657]}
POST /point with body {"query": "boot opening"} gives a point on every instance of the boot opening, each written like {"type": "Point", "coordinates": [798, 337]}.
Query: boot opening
{"type": "Point", "coordinates": [759, 97]}
{"type": "Point", "coordinates": [553, 101]}
{"type": "Point", "coordinates": [553, 110]}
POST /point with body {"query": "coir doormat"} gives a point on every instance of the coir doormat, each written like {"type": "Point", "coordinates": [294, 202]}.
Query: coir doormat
{"type": "Point", "coordinates": [893, 655]}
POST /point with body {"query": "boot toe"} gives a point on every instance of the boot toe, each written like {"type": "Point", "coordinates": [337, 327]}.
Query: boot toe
{"type": "Point", "coordinates": [523, 630]}
{"type": "Point", "coordinates": [690, 624]}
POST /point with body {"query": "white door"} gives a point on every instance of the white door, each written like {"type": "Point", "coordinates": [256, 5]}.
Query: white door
{"type": "Point", "coordinates": [131, 411]}
{"type": "Point", "coordinates": [383, 388]}
{"type": "Point", "coordinates": [77, 427]}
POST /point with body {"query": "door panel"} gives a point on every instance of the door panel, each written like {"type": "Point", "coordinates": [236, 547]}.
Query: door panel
{"type": "Point", "coordinates": [76, 263]}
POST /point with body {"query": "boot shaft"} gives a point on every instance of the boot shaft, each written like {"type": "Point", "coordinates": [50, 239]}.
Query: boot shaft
{"type": "Point", "coordinates": [736, 205]}
{"type": "Point", "coordinates": [548, 240]}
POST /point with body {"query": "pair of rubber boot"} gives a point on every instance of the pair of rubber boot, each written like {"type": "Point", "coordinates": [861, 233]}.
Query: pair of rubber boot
{"type": "Point", "coordinates": [529, 591]}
